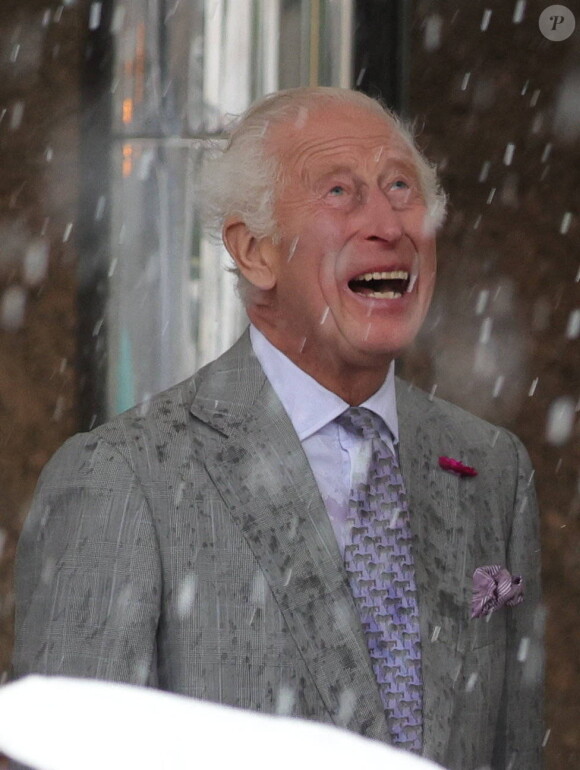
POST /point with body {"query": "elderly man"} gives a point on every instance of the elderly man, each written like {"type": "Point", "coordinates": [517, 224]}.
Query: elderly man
{"type": "Point", "coordinates": [293, 530]}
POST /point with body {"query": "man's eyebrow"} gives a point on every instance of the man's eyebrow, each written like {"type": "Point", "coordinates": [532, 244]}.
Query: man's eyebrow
{"type": "Point", "coordinates": [405, 165]}
{"type": "Point", "coordinates": [319, 174]}
{"type": "Point", "coordinates": [400, 161]}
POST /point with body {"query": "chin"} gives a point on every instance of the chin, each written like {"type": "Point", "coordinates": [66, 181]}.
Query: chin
{"type": "Point", "coordinates": [389, 343]}
{"type": "Point", "coordinates": [372, 356]}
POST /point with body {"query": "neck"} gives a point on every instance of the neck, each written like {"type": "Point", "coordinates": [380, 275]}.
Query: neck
{"type": "Point", "coordinates": [355, 390]}
{"type": "Point", "coordinates": [353, 380]}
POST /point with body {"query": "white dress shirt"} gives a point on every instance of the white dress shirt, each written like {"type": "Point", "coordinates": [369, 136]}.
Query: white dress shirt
{"type": "Point", "coordinates": [334, 454]}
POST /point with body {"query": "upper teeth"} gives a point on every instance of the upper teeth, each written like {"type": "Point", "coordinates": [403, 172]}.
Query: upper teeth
{"type": "Point", "coordinates": [393, 275]}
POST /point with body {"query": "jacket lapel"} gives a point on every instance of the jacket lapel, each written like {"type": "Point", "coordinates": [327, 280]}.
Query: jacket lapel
{"type": "Point", "coordinates": [441, 540]}
{"type": "Point", "coordinates": [256, 461]}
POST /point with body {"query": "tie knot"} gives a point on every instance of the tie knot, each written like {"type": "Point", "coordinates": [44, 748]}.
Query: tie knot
{"type": "Point", "coordinates": [361, 422]}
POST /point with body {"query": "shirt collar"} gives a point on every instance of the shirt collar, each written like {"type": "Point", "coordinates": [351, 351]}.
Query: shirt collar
{"type": "Point", "coordinates": [309, 405]}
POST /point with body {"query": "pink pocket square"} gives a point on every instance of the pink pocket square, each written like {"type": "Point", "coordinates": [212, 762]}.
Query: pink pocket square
{"type": "Point", "coordinates": [494, 586]}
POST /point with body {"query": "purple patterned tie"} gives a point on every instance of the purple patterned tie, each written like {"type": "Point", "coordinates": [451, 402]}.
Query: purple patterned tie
{"type": "Point", "coordinates": [379, 563]}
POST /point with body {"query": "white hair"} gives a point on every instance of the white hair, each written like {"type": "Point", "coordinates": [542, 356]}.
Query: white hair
{"type": "Point", "coordinates": [239, 180]}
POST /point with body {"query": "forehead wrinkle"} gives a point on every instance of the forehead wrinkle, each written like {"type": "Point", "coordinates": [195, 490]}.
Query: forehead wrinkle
{"type": "Point", "coordinates": [319, 158]}
{"type": "Point", "coordinates": [324, 146]}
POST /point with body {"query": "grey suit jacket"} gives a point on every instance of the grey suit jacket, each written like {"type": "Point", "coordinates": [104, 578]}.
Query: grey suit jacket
{"type": "Point", "coordinates": [185, 545]}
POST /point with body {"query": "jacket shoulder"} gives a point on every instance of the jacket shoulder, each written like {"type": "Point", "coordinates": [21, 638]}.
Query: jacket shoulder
{"type": "Point", "coordinates": [415, 407]}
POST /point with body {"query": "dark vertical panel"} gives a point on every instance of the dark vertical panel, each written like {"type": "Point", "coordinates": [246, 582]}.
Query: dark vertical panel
{"type": "Point", "coordinates": [291, 68]}
{"type": "Point", "coordinates": [381, 45]}
{"type": "Point", "coordinates": [93, 216]}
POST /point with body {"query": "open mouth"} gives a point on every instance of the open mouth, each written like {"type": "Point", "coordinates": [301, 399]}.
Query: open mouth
{"type": "Point", "coordinates": [385, 285]}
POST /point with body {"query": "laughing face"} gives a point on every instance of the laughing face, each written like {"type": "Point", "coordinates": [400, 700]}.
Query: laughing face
{"type": "Point", "coordinates": [349, 280]}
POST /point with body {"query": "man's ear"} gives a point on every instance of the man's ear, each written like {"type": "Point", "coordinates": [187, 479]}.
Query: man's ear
{"type": "Point", "coordinates": [253, 256]}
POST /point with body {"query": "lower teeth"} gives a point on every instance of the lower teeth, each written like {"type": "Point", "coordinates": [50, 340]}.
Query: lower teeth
{"type": "Point", "coordinates": [385, 294]}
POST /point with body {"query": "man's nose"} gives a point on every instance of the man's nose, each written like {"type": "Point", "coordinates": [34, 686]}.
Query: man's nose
{"type": "Point", "coordinates": [380, 220]}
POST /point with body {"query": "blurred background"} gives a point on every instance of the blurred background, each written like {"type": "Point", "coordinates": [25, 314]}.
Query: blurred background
{"type": "Point", "coordinates": [110, 290]}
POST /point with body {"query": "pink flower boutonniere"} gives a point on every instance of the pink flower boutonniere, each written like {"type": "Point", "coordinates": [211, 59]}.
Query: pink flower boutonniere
{"type": "Point", "coordinates": [455, 466]}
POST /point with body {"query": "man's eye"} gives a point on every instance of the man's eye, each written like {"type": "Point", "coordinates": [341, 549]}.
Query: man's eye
{"type": "Point", "coordinates": [401, 193]}
{"type": "Point", "coordinates": [337, 189]}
